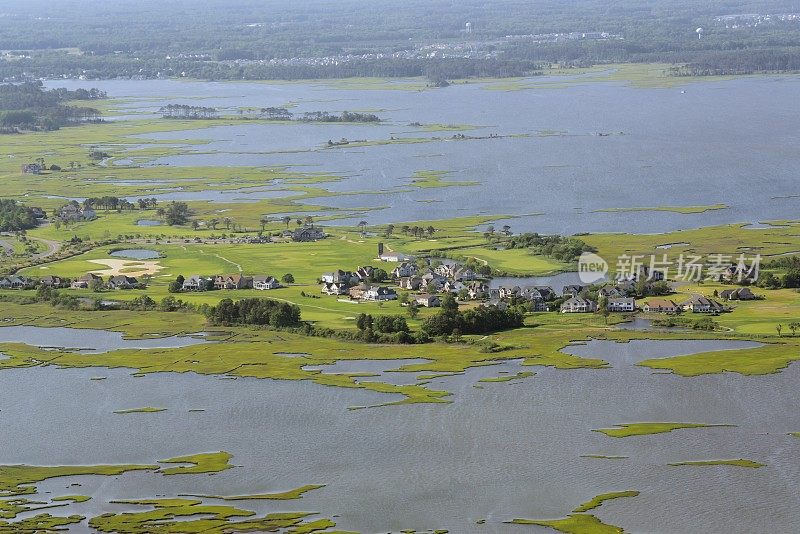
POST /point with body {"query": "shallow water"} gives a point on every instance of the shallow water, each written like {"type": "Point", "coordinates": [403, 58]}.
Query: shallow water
{"type": "Point", "coordinates": [498, 452]}
{"type": "Point", "coordinates": [87, 340]}
{"type": "Point", "coordinates": [666, 148]}
{"type": "Point", "coordinates": [136, 254]}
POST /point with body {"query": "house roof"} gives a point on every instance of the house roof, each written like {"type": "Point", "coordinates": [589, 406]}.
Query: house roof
{"type": "Point", "coordinates": [661, 303]}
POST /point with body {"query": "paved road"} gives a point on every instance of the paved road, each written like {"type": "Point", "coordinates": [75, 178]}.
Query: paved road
{"type": "Point", "coordinates": [52, 247]}
{"type": "Point", "coordinates": [6, 247]}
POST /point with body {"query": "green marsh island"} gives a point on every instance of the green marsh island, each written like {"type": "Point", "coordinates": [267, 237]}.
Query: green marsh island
{"type": "Point", "coordinates": [328, 269]}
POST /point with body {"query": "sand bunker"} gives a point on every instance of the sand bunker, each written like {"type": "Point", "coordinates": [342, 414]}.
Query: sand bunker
{"type": "Point", "coordinates": [127, 267]}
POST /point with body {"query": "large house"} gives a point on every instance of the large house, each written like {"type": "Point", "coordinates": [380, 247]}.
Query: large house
{"type": "Point", "coordinates": [51, 281]}
{"type": "Point", "coordinates": [623, 305]}
{"type": "Point", "coordinates": [358, 292]}
{"type": "Point", "coordinates": [660, 306]}
{"type": "Point", "coordinates": [17, 282]}
{"type": "Point", "coordinates": [232, 281]}
{"type": "Point", "coordinates": [698, 304]}
{"type": "Point", "coordinates": [85, 281]}
{"type": "Point", "coordinates": [365, 273]}
{"type": "Point", "coordinates": [197, 283]}
{"type": "Point", "coordinates": [306, 234]}
{"type": "Point", "coordinates": [404, 270]}
{"type": "Point", "coordinates": [334, 288]}
{"type": "Point", "coordinates": [264, 283]}
{"type": "Point", "coordinates": [572, 290]}
{"type": "Point", "coordinates": [612, 292]}
{"type": "Point", "coordinates": [741, 293]}
{"type": "Point", "coordinates": [395, 257]}
{"type": "Point", "coordinates": [411, 283]}
{"type": "Point", "coordinates": [339, 277]}
{"type": "Point", "coordinates": [538, 293]}
{"type": "Point", "coordinates": [477, 290]}
{"type": "Point", "coordinates": [122, 282]}
{"type": "Point", "coordinates": [427, 300]}
{"type": "Point", "coordinates": [32, 168]}
{"type": "Point", "coordinates": [73, 212]}
{"type": "Point", "coordinates": [380, 293]}
{"type": "Point", "coordinates": [578, 305]}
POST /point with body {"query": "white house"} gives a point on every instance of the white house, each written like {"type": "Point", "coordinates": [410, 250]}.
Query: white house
{"type": "Point", "coordinates": [404, 270]}
{"type": "Point", "coordinates": [380, 293]}
{"type": "Point", "coordinates": [263, 283]}
{"type": "Point", "coordinates": [625, 304]}
{"type": "Point", "coordinates": [578, 305]}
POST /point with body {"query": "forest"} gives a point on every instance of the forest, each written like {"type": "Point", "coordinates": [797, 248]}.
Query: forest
{"type": "Point", "coordinates": [251, 39]}
{"type": "Point", "coordinates": [15, 216]}
{"type": "Point", "coordinates": [28, 106]}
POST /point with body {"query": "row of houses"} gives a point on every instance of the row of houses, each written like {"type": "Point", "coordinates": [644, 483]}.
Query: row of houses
{"type": "Point", "coordinates": [696, 304]}
{"type": "Point", "coordinates": [580, 304]}
{"type": "Point", "coordinates": [56, 282]}
{"type": "Point", "coordinates": [230, 281]}
{"type": "Point", "coordinates": [119, 281]}
{"type": "Point", "coordinates": [362, 291]}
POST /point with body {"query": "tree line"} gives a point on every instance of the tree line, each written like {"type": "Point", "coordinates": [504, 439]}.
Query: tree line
{"type": "Point", "coordinates": [28, 106]}
{"type": "Point", "coordinates": [15, 216]}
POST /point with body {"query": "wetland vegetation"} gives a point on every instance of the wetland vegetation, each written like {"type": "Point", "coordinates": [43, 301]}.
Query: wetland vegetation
{"type": "Point", "coordinates": [474, 381]}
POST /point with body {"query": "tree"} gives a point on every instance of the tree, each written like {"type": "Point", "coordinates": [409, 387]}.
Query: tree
{"type": "Point", "coordinates": [176, 285]}
{"type": "Point", "coordinates": [287, 278]}
{"type": "Point", "coordinates": [362, 225]}
{"type": "Point", "coordinates": [176, 213]}
{"type": "Point", "coordinates": [195, 225]}
{"type": "Point", "coordinates": [793, 327]}
{"type": "Point", "coordinates": [413, 309]}
{"type": "Point", "coordinates": [213, 223]}
{"type": "Point", "coordinates": [602, 307]}
{"type": "Point", "coordinates": [96, 285]}
{"type": "Point", "coordinates": [264, 221]}
{"type": "Point", "coordinates": [286, 220]}
{"type": "Point", "coordinates": [779, 329]}
{"type": "Point", "coordinates": [389, 230]}
{"type": "Point", "coordinates": [449, 303]}
{"type": "Point", "coordinates": [227, 222]}
{"type": "Point", "coordinates": [364, 322]}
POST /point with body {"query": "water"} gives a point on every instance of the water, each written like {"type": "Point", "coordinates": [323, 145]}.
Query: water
{"type": "Point", "coordinates": [87, 340]}
{"type": "Point", "coordinates": [431, 466]}
{"type": "Point", "coordinates": [148, 222]}
{"type": "Point", "coordinates": [666, 149]}
{"type": "Point", "coordinates": [136, 254]}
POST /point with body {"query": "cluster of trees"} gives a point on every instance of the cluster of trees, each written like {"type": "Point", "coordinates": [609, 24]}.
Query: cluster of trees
{"type": "Point", "coordinates": [15, 217]}
{"type": "Point", "coordinates": [183, 111]}
{"type": "Point", "coordinates": [786, 273]}
{"type": "Point", "coordinates": [345, 116]}
{"type": "Point", "coordinates": [28, 106]}
{"type": "Point", "coordinates": [450, 321]}
{"type": "Point", "coordinates": [566, 249]}
{"type": "Point", "coordinates": [175, 213]}
{"type": "Point", "coordinates": [385, 324]}
{"type": "Point", "coordinates": [415, 231]}
{"type": "Point", "coordinates": [254, 311]}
